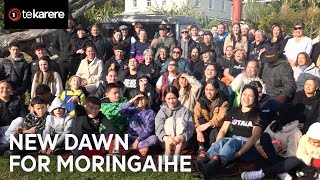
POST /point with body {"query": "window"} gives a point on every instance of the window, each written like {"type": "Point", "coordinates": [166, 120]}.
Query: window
{"type": "Point", "coordinates": [210, 4]}
{"type": "Point", "coordinates": [197, 3]}
{"type": "Point", "coordinates": [223, 5]}
{"type": "Point", "coordinates": [148, 2]}
{"type": "Point", "coordinates": [164, 2]}
{"type": "Point", "coordinates": [134, 2]}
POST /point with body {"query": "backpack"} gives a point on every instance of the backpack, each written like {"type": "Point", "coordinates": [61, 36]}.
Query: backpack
{"type": "Point", "coordinates": [70, 105]}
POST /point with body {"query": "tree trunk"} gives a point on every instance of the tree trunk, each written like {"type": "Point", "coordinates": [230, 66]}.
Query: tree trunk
{"type": "Point", "coordinates": [31, 34]}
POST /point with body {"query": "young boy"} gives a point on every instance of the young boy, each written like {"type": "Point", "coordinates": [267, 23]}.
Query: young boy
{"type": "Point", "coordinates": [73, 95]}
{"type": "Point", "coordinates": [12, 112]}
{"type": "Point", "coordinates": [89, 120]}
{"type": "Point", "coordinates": [111, 105]}
{"type": "Point", "coordinates": [58, 122]}
{"type": "Point", "coordinates": [34, 122]}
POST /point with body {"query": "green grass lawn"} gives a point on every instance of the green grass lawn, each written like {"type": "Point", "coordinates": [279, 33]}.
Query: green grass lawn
{"type": "Point", "coordinates": [19, 174]}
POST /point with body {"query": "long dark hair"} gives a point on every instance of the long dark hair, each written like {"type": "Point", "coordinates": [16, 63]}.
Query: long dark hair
{"type": "Point", "coordinates": [280, 33]}
{"type": "Point", "coordinates": [113, 40]}
{"type": "Point", "coordinates": [171, 89]}
{"type": "Point", "coordinates": [40, 75]}
{"type": "Point", "coordinates": [177, 85]}
{"type": "Point", "coordinates": [254, 113]}
{"type": "Point", "coordinates": [238, 36]}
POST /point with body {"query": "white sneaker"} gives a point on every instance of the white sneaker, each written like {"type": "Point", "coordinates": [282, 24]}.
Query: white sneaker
{"type": "Point", "coordinates": [285, 176]}
{"type": "Point", "coordinates": [252, 175]}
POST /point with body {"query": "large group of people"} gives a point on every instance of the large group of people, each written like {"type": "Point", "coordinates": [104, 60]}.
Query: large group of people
{"type": "Point", "coordinates": [228, 96]}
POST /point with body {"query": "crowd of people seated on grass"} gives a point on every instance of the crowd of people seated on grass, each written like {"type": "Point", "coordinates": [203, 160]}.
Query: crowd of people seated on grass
{"type": "Point", "coordinates": [239, 96]}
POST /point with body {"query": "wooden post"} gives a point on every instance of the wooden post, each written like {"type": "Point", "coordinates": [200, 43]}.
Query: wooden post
{"type": "Point", "coordinates": [236, 11]}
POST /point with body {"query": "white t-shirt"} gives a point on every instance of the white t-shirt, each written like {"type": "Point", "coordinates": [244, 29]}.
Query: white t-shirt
{"type": "Point", "coordinates": [170, 80]}
{"type": "Point", "coordinates": [293, 48]}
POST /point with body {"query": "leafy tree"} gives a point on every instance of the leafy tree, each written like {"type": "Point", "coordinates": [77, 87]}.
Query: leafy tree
{"type": "Point", "coordinates": [106, 9]}
{"type": "Point", "coordinates": [286, 13]}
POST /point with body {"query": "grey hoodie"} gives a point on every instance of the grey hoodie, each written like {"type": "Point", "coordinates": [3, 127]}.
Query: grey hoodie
{"type": "Point", "coordinates": [55, 125]}
{"type": "Point", "coordinates": [178, 112]}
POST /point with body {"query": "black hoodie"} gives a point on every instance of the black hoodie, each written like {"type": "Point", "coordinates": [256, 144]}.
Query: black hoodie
{"type": "Point", "coordinates": [312, 108]}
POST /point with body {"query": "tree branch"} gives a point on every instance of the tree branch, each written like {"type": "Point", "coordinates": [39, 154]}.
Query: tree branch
{"type": "Point", "coordinates": [5, 40]}
{"type": "Point", "coordinates": [84, 8]}
{"type": "Point", "coordinates": [77, 4]}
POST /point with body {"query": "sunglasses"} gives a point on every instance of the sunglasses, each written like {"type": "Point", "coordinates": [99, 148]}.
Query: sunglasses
{"type": "Point", "coordinates": [297, 28]}
{"type": "Point", "coordinates": [176, 52]}
{"type": "Point", "coordinates": [183, 32]}
{"type": "Point", "coordinates": [172, 64]}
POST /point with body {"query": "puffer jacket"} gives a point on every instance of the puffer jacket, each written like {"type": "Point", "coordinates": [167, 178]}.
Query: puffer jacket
{"type": "Point", "coordinates": [21, 78]}
{"type": "Point", "coordinates": [183, 65]}
{"type": "Point", "coordinates": [279, 80]}
{"type": "Point", "coordinates": [300, 75]}
{"type": "Point", "coordinates": [306, 151]}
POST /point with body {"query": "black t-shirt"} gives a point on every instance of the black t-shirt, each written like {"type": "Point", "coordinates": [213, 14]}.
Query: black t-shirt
{"type": "Point", "coordinates": [130, 82]}
{"type": "Point", "coordinates": [242, 123]}
{"type": "Point", "coordinates": [236, 68]}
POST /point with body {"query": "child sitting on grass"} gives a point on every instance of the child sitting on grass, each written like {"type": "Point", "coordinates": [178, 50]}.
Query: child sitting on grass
{"type": "Point", "coordinates": [111, 105]}
{"type": "Point", "coordinates": [58, 122]}
{"type": "Point", "coordinates": [34, 122]}
{"type": "Point", "coordinates": [141, 123]}
{"type": "Point", "coordinates": [89, 120]}
{"type": "Point", "coordinates": [73, 95]}
{"type": "Point", "coordinates": [309, 148]}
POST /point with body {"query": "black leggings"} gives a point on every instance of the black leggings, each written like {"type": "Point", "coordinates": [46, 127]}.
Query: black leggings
{"type": "Point", "coordinates": [277, 164]}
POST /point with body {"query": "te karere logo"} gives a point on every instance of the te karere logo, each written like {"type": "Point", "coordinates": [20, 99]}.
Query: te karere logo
{"type": "Point", "coordinates": [15, 14]}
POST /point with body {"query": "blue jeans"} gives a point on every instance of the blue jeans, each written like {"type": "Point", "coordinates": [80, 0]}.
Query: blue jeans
{"type": "Point", "coordinates": [226, 148]}
{"type": "Point", "coordinates": [318, 170]}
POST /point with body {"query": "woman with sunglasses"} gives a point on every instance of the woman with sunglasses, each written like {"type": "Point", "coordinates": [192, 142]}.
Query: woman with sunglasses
{"type": "Point", "coordinates": [167, 78]}
{"type": "Point", "coordinates": [246, 130]}
{"type": "Point", "coordinates": [183, 64]}
{"type": "Point", "coordinates": [299, 43]}
{"type": "Point", "coordinates": [189, 90]}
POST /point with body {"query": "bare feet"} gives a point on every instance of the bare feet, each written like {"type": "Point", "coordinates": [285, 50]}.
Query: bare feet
{"type": "Point", "coordinates": [144, 151]}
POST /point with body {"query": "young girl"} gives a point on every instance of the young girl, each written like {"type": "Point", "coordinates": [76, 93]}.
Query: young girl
{"type": "Point", "coordinates": [174, 124]}
{"type": "Point", "coordinates": [73, 95]}
{"type": "Point", "coordinates": [48, 77]}
{"type": "Point", "coordinates": [58, 122]}
{"type": "Point", "coordinates": [141, 127]}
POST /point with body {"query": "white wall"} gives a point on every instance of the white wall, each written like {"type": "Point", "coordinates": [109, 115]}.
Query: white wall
{"type": "Point", "coordinates": [215, 11]}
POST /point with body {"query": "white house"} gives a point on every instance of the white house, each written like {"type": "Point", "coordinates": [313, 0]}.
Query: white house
{"type": "Point", "coordinates": [220, 9]}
